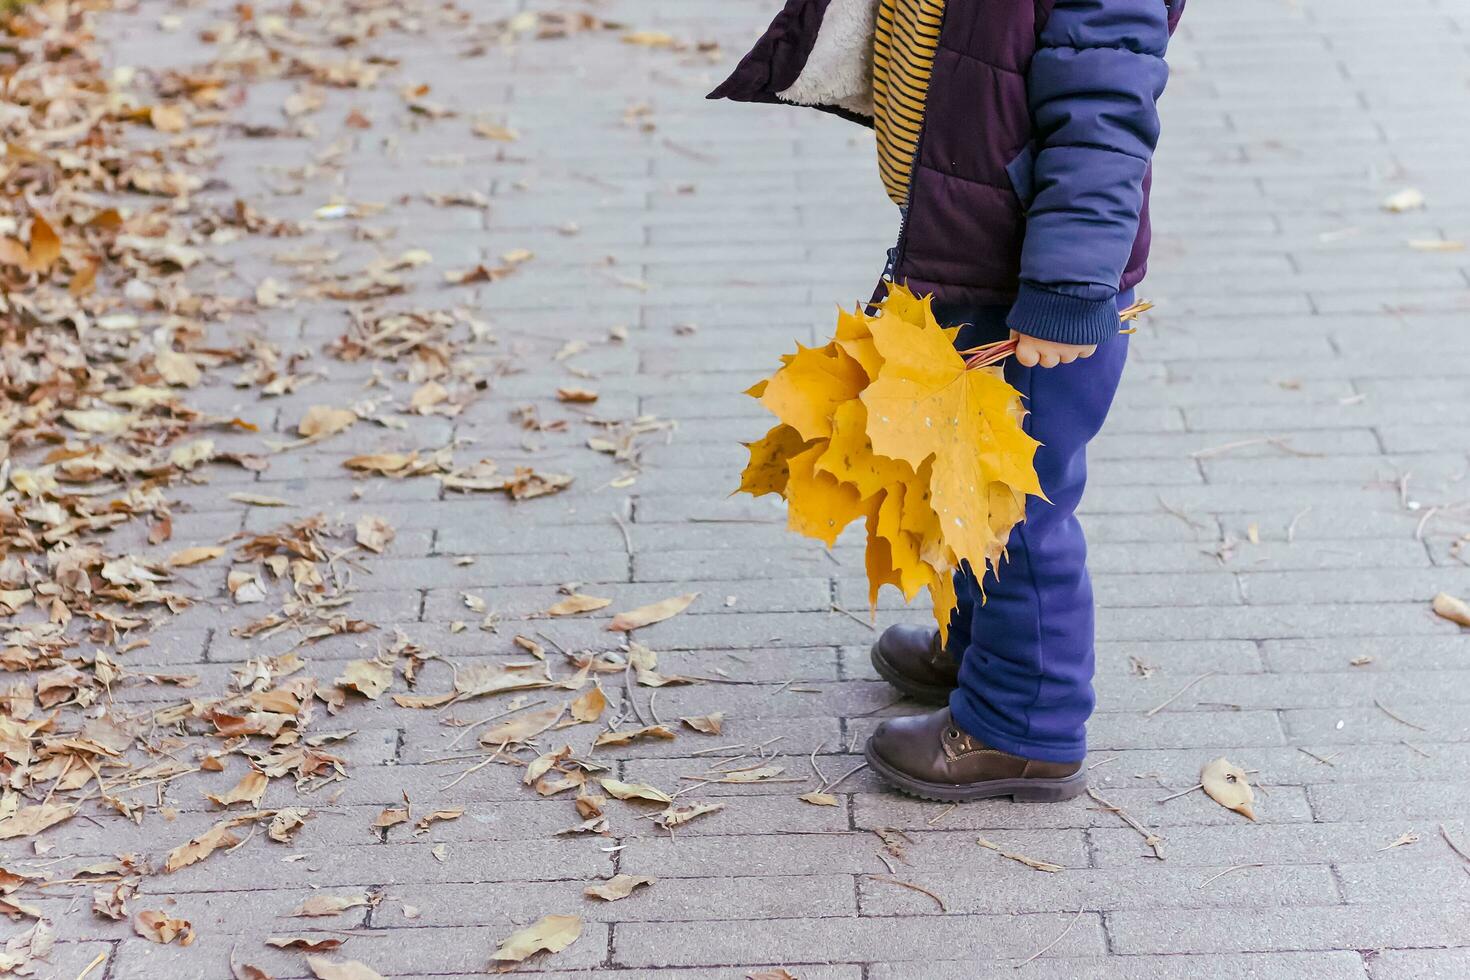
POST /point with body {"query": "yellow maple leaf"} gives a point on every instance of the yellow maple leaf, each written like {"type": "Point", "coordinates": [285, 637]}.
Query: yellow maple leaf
{"type": "Point", "coordinates": [806, 391]}
{"type": "Point", "coordinates": [925, 406]}
{"type": "Point", "coordinates": [818, 504]}
{"type": "Point", "coordinates": [766, 472]}
{"type": "Point", "coordinates": [850, 458]}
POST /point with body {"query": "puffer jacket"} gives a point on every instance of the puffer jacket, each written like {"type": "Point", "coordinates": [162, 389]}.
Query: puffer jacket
{"type": "Point", "coordinates": [1030, 183]}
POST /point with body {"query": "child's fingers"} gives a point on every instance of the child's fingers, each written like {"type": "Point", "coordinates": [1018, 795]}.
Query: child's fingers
{"type": "Point", "coordinates": [1026, 353]}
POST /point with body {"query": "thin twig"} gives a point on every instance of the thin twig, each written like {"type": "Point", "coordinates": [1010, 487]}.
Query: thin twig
{"type": "Point", "coordinates": [1325, 760]}
{"type": "Point", "coordinates": [941, 814]}
{"type": "Point", "coordinates": [1450, 841]}
{"type": "Point", "coordinates": [1182, 792]}
{"type": "Point", "coordinates": [1053, 942]}
{"type": "Point", "coordinates": [1179, 514]}
{"type": "Point", "coordinates": [627, 539]}
{"type": "Point", "coordinates": [855, 618]}
{"type": "Point", "coordinates": [1153, 711]}
{"type": "Point", "coordinates": [92, 966]}
{"type": "Point", "coordinates": [816, 771]}
{"type": "Point", "coordinates": [1291, 528]}
{"type": "Point", "coordinates": [1222, 874]}
{"type": "Point", "coordinates": [1150, 838]}
{"type": "Point", "coordinates": [1396, 718]}
{"type": "Point", "coordinates": [842, 778]}
{"type": "Point", "coordinates": [912, 887]}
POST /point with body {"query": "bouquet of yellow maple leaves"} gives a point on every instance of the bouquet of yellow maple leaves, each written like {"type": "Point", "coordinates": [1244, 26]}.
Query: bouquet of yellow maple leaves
{"type": "Point", "coordinates": [889, 423]}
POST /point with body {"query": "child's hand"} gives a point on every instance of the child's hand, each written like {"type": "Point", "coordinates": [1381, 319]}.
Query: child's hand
{"type": "Point", "coordinates": [1032, 352]}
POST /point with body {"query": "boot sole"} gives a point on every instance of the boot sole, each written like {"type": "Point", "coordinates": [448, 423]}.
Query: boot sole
{"type": "Point", "coordinates": [1019, 790]}
{"type": "Point", "coordinates": [922, 693]}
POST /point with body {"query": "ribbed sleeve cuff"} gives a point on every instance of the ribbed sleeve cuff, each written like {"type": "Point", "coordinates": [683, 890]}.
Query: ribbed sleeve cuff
{"type": "Point", "coordinates": [1062, 319]}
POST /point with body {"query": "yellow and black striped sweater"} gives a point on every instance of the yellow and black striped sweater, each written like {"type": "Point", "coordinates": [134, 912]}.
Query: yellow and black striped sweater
{"type": "Point", "coordinates": [903, 57]}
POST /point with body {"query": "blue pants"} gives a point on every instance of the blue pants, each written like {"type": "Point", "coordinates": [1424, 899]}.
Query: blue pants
{"type": "Point", "coordinates": [1026, 651]}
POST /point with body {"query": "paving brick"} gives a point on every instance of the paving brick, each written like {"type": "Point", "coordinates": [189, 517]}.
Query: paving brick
{"type": "Point", "coordinates": [1247, 930]}
{"type": "Point", "coordinates": [1246, 966]}
{"type": "Point", "coordinates": [895, 939]}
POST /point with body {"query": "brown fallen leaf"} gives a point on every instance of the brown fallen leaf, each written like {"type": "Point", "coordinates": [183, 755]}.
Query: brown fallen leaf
{"type": "Point", "coordinates": [374, 533]}
{"type": "Point", "coordinates": [522, 727]}
{"type": "Point", "coordinates": [578, 603]}
{"type": "Point", "coordinates": [752, 775]}
{"type": "Point", "coordinates": [550, 933]}
{"type": "Point", "coordinates": [590, 705]}
{"type": "Point", "coordinates": [193, 556]}
{"type": "Point", "coordinates": [634, 791]}
{"type": "Point", "coordinates": [662, 732]}
{"type": "Point", "coordinates": [321, 421]}
{"type": "Point", "coordinates": [312, 944]}
{"type": "Point", "coordinates": [1226, 784]}
{"type": "Point", "coordinates": [676, 816]}
{"type": "Point", "coordinates": [325, 969]}
{"type": "Point", "coordinates": [159, 928]}
{"type": "Point", "coordinates": [391, 817]}
{"type": "Point", "coordinates": [427, 821]}
{"type": "Point", "coordinates": [645, 662]}
{"type": "Point", "coordinates": [370, 678]}
{"type": "Point", "coordinates": [249, 789]}
{"type": "Point", "coordinates": [576, 395]}
{"type": "Point", "coordinates": [617, 887]}
{"type": "Point", "coordinates": [30, 820]}
{"type": "Point", "coordinates": [778, 973]}
{"type": "Point", "coordinates": [111, 901]}
{"type": "Point", "coordinates": [710, 724]}
{"type": "Point", "coordinates": [819, 799]}
{"type": "Point", "coordinates": [1453, 608]}
{"type": "Point", "coordinates": [318, 906]}
{"type": "Point", "coordinates": [286, 822]}
{"type": "Point", "coordinates": [655, 612]}
{"type": "Point", "coordinates": [201, 847]}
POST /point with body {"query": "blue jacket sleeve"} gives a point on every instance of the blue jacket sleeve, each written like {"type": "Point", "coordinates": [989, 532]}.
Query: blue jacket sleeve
{"type": "Point", "coordinates": [1093, 86]}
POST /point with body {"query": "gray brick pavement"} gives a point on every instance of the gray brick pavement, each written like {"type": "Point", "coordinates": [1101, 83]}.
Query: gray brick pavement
{"type": "Point", "coordinates": [1246, 518]}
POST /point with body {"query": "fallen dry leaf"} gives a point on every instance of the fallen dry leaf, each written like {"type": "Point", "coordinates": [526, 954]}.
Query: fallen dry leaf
{"type": "Point", "coordinates": [193, 556]}
{"type": "Point", "coordinates": [1453, 608]}
{"type": "Point", "coordinates": [522, 727]}
{"type": "Point", "coordinates": [249, 789]}
{"type": "Point", "coordinates": [634, 791]}
{"type": "Point", "coordinates": [1407, 199]}
{"type": "Point", "coordinates": [325, 969]}
{"type": "Point", "coordinates": [676, 816]}
{"type": "Point", "coordinates": [321, 421]}
{"type": "Point", "coordinates": [578, 603]}
{"type": "Point", "coordinates": [370, 678]}
{"type": "Point", "coordinates": [159, 928]}
{"type": "Point", "coordinates": [312, 944]}
{"type": "Point", "coordinates": [617, 887]}
{"type": "Point", "coordinates": [324, 905]}
{"type": "Point", "coordinates": [30, 820]}
{"type": "Point", "coordinates": [374, 533]}
{"type": "Point", "coordinates": [1226, 784]}
{"type": "Point", "coordinates": [551, 933]}
{"type": "Point", "coordinates": [590, 705]}
{"type": "Point", "coordinates": [819, 799]}
{"type": "Point", "coordinates": [655, 612]}
{"type": "Point", "coordinates": [662, 732]}
{"type": "Point", "coordinates": [710, 724]}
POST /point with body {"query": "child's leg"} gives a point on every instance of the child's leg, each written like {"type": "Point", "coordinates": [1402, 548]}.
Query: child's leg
{"type": "Point", "coordinates": [1026, 673]}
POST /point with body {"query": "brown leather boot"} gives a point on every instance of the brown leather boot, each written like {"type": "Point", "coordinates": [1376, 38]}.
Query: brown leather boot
{"type": "Point", "coordinates": [911, 659]}
{"type": "Point", "coordinates": [928, 756]}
